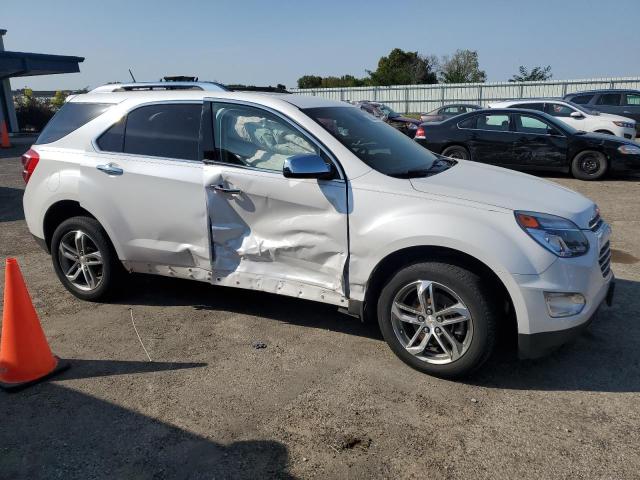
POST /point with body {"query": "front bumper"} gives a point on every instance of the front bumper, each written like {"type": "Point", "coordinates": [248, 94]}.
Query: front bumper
{"type": "Point", "coordinates": [538, 345]}
{"type": "Point", "coordinates": [625, 163]}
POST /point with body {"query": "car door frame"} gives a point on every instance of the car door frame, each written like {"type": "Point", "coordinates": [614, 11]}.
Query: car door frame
{"type": "Point", "coordinates": [248, 280]}
{"type": "Point", "coordinates": [472, 142]}
{"type": "Point", "coordinates": [542, 139]}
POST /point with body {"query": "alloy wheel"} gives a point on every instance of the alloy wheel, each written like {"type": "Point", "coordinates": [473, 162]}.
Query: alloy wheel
{"type": "Point", "coordinates": [80, 260]}
{"type": "Point", "coordinates": [431, 322]}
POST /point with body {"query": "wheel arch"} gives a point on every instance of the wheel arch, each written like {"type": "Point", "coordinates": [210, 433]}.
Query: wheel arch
{"type": "Point", "coordinates": [398, 259]}
{"type": "Point", "coordinates": [454, 143]}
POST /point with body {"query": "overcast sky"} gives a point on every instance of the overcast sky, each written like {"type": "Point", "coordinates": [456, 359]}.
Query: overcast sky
{"type": "Point", "coordinates": [276, 41]}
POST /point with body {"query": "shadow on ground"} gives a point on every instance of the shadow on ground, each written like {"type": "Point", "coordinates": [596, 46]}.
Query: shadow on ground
{"type": "Point", "coordinates": [604, 359]}
{"type": "Point", "coordinates": [11, 204]}
{"type": "Point", "coordinates": [154, 290]}
{"type": "Point", "coordinates": [50, 431]}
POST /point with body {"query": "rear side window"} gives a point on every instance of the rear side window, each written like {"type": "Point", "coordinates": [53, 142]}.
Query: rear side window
{"type": "Point", "coordinates": [165, 130]}
{"type": "Point", "coordinates": [633, 99]}
{"type": "Point", "coordinates": [529, 106]}
{"type": "Point", "coordinates": [498, 122]}
{"type": "Point", "coordinates": [468, 123]}
{"type": "Point", "coordinates": [609, 99]}
{"type": "Point", "coordinates": [582, 99]}
{"type": "Point", "coordinates": [70, 117]}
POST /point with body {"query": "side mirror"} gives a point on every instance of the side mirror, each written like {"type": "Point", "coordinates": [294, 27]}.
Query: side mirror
{"type": "Point", "coordinates": [307, 166]}
{"type": "Point", "coordinates": [576, 115]}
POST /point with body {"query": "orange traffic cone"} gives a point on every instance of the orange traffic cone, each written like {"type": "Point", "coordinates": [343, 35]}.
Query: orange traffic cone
{"type": "Point", "coordinates": [4, 136]}
{"type": "Point", "coordinates": [25, 356]}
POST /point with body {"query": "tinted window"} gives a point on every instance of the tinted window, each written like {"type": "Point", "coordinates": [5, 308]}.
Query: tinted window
{"type": "Point", "coordinates": [498, 122]}
{"type": "Point", "coordinates": [454, 110]}
{"type": "Point", "coordinates": [170, 131]}
{"type": "Point", "coordinates": [70, 117]}
{"type": "Point", "coordinates": [251, 137]}
{"type": "Point", "coordinates": [529, 106]}
{"type": "Point", "coordinates": [559, 110]}
{"type": "Point", "coordinates": [527, 124]}
{"type": "Point", "coordinates": [633, 99]}
{"type": "Point", "coordinates": [582, 99]}
{"type": "Point", "coordinates": [468, 123]}
{"type": "Point", "coordinates": [113, 139]}
{"type": "Point", "coordinates": [609, 99]}
{"type": "Point", "coordinates": [377, 144]}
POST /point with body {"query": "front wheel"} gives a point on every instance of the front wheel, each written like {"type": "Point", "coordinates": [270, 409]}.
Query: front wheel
{"type": "Point", "coordinates": [589, 165]}
{"type": "Point", "coordinates": [84, 259]}
{"type": "Point", "coordinates": [438, 318]}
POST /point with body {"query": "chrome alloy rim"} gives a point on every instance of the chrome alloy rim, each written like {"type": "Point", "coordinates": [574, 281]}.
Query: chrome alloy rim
{"type": "Point", "coordinates": [431, 322]}
{"type": "Point", "coordinates": [80, 260]}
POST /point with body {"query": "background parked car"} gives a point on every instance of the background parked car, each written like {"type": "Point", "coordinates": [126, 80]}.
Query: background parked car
{"type": "Point", "coordinates": [619, 102]}
{"type": "Point", "coordinates": [406, 125]}
{"type": "Point", "coordinates": [577, 116]}
{"type": "Point", "coordinates": [448, 111]}
{"type": "Point", "coordinates": [528, 139]}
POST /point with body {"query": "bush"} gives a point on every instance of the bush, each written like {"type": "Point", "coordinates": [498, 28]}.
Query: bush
{"type": "Point", "coordinates": [33, 113]}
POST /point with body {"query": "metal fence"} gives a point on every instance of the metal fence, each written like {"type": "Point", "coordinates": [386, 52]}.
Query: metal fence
{"type": "Point", "coordinates": [424, 98]}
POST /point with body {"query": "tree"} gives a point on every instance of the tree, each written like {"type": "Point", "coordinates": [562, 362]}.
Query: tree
{"type": "Point", "coordinates": [58, 99]}
{"type": "Point", "coordinates": [536, 74]}
{"type": "Point", "coordinates": [462, 67]}
{"type": "Point", "coordinates": [310, 81]}
{"type": "Point", "coordinates": [404, 68]}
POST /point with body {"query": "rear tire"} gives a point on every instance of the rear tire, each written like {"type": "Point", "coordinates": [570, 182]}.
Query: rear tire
{"type": "Point", "coordinates": [444, 345]}
{"type": "Point", "coordinates": [457, 151]}
{"type": "Point", "coordinates": [84, 259]}
{"type": "Point", "coordinates": [589, 165]}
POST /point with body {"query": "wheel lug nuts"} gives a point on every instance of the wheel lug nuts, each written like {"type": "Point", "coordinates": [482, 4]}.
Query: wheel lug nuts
{"type": "Point", "coordinates": [428, 311]}
{"type": "Point", "coordinates": [421, 318]}
{"type": "Point", "coordinates": [437, 330]}
{"type": "Point", "coordinates": [439, 319]}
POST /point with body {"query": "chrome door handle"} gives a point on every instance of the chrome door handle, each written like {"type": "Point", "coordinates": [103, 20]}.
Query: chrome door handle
{"type": "Point", "coordinates": [110, 169]}
{"type": "Point", "coordinates": [221, 189]}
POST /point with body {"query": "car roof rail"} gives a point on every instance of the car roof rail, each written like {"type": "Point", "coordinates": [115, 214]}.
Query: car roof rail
{"type": "Point", "coordinates": [159, 86]}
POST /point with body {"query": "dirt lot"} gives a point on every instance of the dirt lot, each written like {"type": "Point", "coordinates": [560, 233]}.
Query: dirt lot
{"type": "Point", "coordinates": [326, 398]}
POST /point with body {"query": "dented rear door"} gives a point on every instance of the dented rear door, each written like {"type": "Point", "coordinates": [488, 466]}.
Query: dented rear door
{"type": "Point", "coordinates": [268, 232]}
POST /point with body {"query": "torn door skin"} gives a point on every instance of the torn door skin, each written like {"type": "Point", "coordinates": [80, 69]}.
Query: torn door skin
{"type": "Point", "coordinates": [272, 239]}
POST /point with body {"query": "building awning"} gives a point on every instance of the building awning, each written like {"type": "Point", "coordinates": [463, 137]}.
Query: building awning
{"type": "Point", "coordinates": [23, 64]}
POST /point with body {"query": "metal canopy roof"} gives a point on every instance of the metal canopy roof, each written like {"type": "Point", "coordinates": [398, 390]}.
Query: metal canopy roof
{"type": "Point", "coordinates": [23, 64]}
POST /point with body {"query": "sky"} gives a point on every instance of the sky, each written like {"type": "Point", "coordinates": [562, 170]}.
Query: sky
{"type": "Point", "coordinates": [276, 41]}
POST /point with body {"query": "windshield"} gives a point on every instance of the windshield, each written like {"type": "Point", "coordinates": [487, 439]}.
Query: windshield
{"type": "Point", "coordinates": [377, 144]}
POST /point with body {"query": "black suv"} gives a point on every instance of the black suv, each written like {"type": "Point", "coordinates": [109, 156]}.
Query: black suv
{"type": "Point", "coordinates": [617, 101]}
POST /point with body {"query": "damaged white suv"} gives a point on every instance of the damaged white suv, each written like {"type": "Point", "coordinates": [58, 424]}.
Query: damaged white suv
{"type": "Point", "coordinates": [315, 199]}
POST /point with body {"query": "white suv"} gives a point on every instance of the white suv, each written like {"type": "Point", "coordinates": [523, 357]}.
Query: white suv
{"type": "Point", "coordinates": [576, 116]}
{"type": "Point", "coordinates": [315, 199]}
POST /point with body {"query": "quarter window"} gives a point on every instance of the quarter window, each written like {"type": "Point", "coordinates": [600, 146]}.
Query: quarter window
{"type": "Point", "coordinates": [70, 117]}
{"type": "Point", "coordinates": [251, 137]}
{"type": "Point", "coordinates": [633, 99]}
{"type": "Point", "coordinates": [609, 99]}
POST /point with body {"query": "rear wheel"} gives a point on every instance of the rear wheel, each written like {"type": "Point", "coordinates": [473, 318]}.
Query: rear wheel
{"type": "Point", "coordinates": [457, 152]}
{"type": "Point", "coordinates": [438, 319]}
{"type": "Point", "coordinates": [84, 259]}
{"type": "Point", "coordinates": [589, 165]}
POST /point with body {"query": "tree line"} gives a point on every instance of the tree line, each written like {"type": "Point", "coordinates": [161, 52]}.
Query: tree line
{"type": "Point", "coordinates": [412, 68]}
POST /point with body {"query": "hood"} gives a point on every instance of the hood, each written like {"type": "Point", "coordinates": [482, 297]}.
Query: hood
{"type": "Point", "coordinates": [508, 189]}
{"type": "Point", "coordinates": [616, 118]}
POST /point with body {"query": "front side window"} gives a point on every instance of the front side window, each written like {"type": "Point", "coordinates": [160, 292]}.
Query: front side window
{"type": "Point", "coordinates": [633, 99]}
{"type": "Point", "coordinates": [582, 99]}
{"type": "Point", "coordinates": [498, 122]}
{"type": "Point", "coordinates": [377, 144]}
{"type": "Point", "coordinates": [609, 99]}
{"type": "Point", "coordinates": [164, 130]}
{"type": "Point", "coordinates": [252, 137]}
{"type": "Point", "coordinates": [559, 110]}
{"type": "Point", "coordinates": [527, 124]}
{"type": "Point", "coordinates": [70, 117]}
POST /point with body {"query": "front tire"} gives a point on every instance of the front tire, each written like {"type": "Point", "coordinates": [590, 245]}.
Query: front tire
{"type": "Point", "coordinates": [589, 165]}
{"type": "Point", "coordinates": [437, 318]}
{"type": "Point", "coordinates": [84, 259]}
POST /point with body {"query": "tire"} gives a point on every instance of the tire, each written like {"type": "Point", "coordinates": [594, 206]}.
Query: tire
{"type": "Point", "coordinates": [589, 165]}
{"type": "Point", "coordinates": [456, 151]}
{"type": "Point", "coordinates": [451, 284]}
{"type": "Point", "coordinates": [94, 247]}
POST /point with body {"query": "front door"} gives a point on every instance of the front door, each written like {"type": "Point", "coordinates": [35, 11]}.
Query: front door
{"type": "Point", "coordinates": [268, 232]}
{"type": "Point", "coordinates": [537, 143]}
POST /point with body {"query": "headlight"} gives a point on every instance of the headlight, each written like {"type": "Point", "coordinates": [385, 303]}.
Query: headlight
{"type": "Point", "coordinates": [629, 149]}
{"type": "Point", "coordinates": [625, 124]}
{"type": "Point", "coordinates": [560, 236]}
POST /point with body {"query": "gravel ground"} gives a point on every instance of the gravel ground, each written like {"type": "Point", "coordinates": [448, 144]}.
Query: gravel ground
{"type": "Point", "coordinates": [326, 398]}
